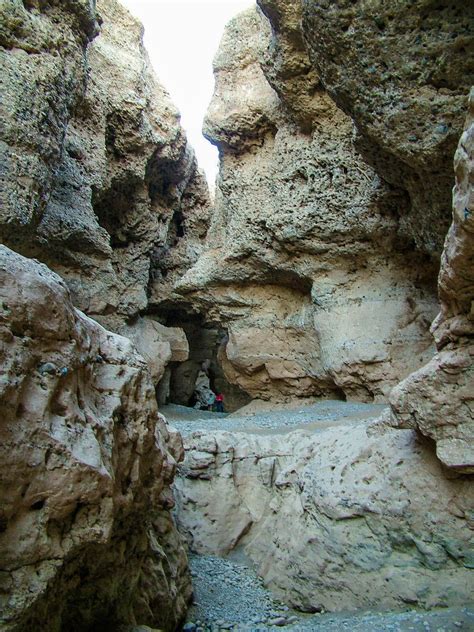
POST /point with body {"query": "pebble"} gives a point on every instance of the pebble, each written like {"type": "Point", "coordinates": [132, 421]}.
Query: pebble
{"type": "Point", "coordinates": [278, 621]}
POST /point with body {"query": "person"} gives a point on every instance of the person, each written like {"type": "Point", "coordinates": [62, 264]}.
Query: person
{"type": "Point", "coordinates": [219, 403]}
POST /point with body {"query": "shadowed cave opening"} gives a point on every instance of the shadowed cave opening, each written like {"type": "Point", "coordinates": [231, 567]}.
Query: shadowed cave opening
{"type": "Point", "coordinates": [205, 340]}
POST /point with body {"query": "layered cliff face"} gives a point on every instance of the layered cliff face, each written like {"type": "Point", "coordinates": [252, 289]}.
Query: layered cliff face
{"type": "Point", "coordinates": [86, 536]}
{"type": "Point", "coordinates": [306, 264]}
{"type": "Point", "coordinates": [101, 184]}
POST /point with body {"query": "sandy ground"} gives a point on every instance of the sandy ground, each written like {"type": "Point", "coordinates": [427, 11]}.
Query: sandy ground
{"type": "Point", "coordinates": [281, 419]}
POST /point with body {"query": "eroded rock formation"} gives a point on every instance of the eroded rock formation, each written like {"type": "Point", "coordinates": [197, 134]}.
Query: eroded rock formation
{"type": "Point", "coordinates": [86, 461]}
{"type": "Point", "coordinates": [336, 127]}
{"type": "Point", "coordinates": [364, 516]}
{"type": "Point", "coordinates": [402, 73]}
{"type": "Point", "coordinates": [100, 182]}
{"type": "Point", "coordinates": [439, 398]}
{"type": "Point", "coordinates": [352, 517]}
{"type": "Point", "coordinates": [304, 251]}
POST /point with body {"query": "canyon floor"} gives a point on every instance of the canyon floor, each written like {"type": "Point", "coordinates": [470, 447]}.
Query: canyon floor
{"type": "Point", "coordinates": [229, 595]}
{"type": "Point", "coordinates": [263, 418]}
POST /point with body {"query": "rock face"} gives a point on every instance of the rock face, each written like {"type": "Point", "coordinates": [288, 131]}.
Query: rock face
{"type": "Point", "coordinates": [439, 399]}
{"type": "Point", "coordinates": [304, 252]}
{"type": "Point", "coordinates": [158, 344]}
{"type": "Point", "coordinates": [401, 72]}
{"type": "Point", "coordinates": [86, 535]}
{"type": "Point", "coordinates": [101, 184]}
{"type": "Point", "coordinates": [343, 519]}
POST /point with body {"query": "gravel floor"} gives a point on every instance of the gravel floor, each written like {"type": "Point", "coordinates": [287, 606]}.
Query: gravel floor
{"type": "Point", "coordinates": [230, 596]}
{"type": "Point", "coordinates": [317, 416]}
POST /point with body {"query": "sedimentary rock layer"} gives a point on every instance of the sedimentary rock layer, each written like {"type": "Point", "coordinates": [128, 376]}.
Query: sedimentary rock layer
{"type": "Point", "coordinates": [86, 463]}
{"type": "Point", "coordinates": [305, 262]}
{"type": "Point", "coordinates": [351, 517]}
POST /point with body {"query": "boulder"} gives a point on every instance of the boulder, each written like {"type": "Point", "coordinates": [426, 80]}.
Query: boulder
{"type": "Point", "coordinates": [353, 517]}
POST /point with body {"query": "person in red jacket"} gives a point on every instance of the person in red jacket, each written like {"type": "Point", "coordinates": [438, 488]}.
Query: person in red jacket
{"type": "Point", "coordinates": [219, 403]}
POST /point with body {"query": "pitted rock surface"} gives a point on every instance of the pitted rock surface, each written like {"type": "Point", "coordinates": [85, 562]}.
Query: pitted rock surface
{"type": "Point", "coordinates": [304, 251]}
{"type": "Point", "coordinates": [86, 462]}
{"type": "Point", "coordinates": [100, 183]}
{"type": "Point", "coordinates": [354, 515]}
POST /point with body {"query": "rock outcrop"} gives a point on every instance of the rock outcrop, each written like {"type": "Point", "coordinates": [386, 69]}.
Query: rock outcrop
{"type": "Point", "coordinates": [304, 253]}
{"type": "Point", "coordinates": [86, 536]}
{"type": "Point", "coordinates": [346, 518]}
{"type": "Point", "coordinates": [100, 182]}
{"type": "Point", "coordinates": [439, 398]}
{"type": "Point", "coordinates": [401, 72]}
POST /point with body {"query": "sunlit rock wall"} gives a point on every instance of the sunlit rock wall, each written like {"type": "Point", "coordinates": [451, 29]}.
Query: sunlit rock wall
{"type": "Point", "coordinates": [305, 264]}
{"type": "Point", "coordinates": [86, 463]}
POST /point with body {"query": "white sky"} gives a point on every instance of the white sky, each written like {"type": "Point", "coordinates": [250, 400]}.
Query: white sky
{"type": "Point", "coordinates": [181, 37]}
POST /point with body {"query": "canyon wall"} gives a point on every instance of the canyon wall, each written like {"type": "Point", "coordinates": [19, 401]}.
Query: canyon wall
{"type": "Point", "coordinates": [438, 399]}
{"type": "Point", "coordinates": [365, 516]}
{"type": "Point", "coordinates": [86, 536]}
{"type": "Point", "coordinates": [306, 248]}
{"type": "Point", "coordinates": [332, 208]}
{"type": "Point", "coordinates": [100, 182]}
{"type": "Point", "coordinates": [336, 131]}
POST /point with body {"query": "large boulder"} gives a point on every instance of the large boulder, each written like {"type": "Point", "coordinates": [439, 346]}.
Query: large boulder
{"type": "Point", "coordinates": [87, 540]}
{"type": "Point", "coordinates": [158, 344]}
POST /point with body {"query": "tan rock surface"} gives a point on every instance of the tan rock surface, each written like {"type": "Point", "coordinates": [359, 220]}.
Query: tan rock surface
{"type": "Point", "coordinates": [86, 538]}
{"type": "Point", "coordinates": [401, 71]}
{"type": "Point", "coordinates": [158, 344]}
{"type": "Point", "coordinates": [304, 264]}
{"type": "Point", "coordinates": [439, 398]}
{"type": "Point", "coordinates": [346, 518]}
{"type": "Point", "coordinates": [100, 182]}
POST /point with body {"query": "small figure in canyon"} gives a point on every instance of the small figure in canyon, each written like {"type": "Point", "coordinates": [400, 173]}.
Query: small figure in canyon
{"type": "Point", "coordinates": [219, 403]}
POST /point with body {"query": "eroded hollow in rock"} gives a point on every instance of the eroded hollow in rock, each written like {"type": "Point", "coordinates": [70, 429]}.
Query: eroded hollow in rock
{"type": "Point", "coordinates": [205, 339]}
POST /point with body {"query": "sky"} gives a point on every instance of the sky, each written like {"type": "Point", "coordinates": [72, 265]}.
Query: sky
{"type": "Point", "coordinates": [182, 37]}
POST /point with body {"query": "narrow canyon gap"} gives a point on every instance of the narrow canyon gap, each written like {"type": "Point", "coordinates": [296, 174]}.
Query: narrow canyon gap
{"type": "Point", "coordinates": [334, 269]}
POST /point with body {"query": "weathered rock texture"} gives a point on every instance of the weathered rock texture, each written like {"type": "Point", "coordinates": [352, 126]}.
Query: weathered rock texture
{"type": "Point", "coordinates": [99, 180]}
{"type": "Point", "coordinates": [348, 518]}
{"type": "Point", "coordinates": [158, 344]}
{"type": "Point", "coordinates": [439, 399]}
{"type": "Point", "coordinates": [86, 536]}
{"type": "Point", "coordinates": [306, 263]}
{"type": "Point", "coordinates": [401, 71]}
